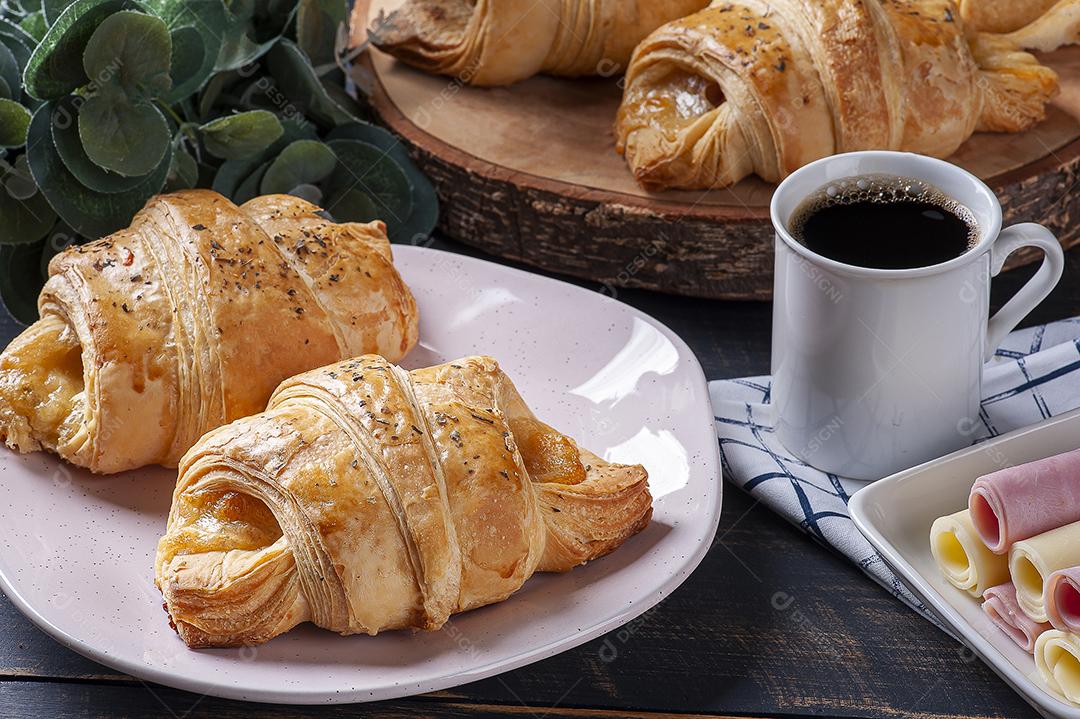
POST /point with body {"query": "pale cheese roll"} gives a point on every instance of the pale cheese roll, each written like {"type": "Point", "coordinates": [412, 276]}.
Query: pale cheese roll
{"type": "Point", "coordinates": [1031, 561]}
{"type": "Point", "coordinates": [1057, 656]}
{"type": "Point", "coordinates": [963, 558]}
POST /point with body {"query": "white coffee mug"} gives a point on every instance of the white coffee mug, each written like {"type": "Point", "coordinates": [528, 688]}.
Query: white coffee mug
{"type": "Point", "coordinates": [877, 370]}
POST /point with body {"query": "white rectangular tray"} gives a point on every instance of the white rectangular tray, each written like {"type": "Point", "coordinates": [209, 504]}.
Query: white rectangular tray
{"type": "Point", "coordinates": [895, 514]}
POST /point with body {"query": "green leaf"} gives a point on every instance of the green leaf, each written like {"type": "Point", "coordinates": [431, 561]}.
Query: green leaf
{"type": "Point", "coordinates": [364, 167]}
{"type": "Point", "coordinates": [249, 188]}
{"type": "Point", "coordinates": [425, 212]}
{"type": "Point", "coordinates": [302, 162]}
{"type": "Point", "coordinates": [10, 73]}
{"type": "Point", "coordinates": [208, 17]}
{"type": "Point", "coordinates": [91, 214]}
{"type": "Point", "coordinates": [317, 25]}
{"type": "Point", "coordinates": [188, 52]}
{"type": "Point", "coordinates": [17, 179]}
{"type": "Point", "coordinates": [242, 135]}
{"type": "Point", "coordinates": [20, 280]}
{"type": "Point", "coordinates": [233, 172]}
{"type": "Point", "coordinates": [295, 77]}
{"type": "Point", "coordinates": [65, 135]}
{"type": "Point", "coordinates": [352, 205]}
{"type": "Point", "coordinates": [35, 25]}
{"type": "Point", "coordinates": [53, 9]}
{"type": "Point", "coordinates": [60, 237]}
{"type": "Point", "coordinates": [132, 50]}
{"type": "Point", "coordinates": [249, 33]}
{"type": "Point", "coordinates": [127, 138]}
{"type": "Point", "coordinates": [23, 220]}
{"type": "Point", "coordinates": [56, 66]}
{"type": "Point", "coordinates": [311, 193]}
{"type": "Point", "coordinates": [14, 121]}
{"type": "Point", "coordinates": [213, 89]}
{"type": "Point", "coordinates": [184, 172]}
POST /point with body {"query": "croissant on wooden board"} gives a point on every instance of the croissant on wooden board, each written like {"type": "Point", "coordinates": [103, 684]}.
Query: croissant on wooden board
{"type": "Point", "coordinates": [764, 87]}
{"type": "Point", "coordinates": [188, 319]}
{"type": "Point", "coordinates": [368, 498]}
{"type": "Point", "coordinates": [499, 42]}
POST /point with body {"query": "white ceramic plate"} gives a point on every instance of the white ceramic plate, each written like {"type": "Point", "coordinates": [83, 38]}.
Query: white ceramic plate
{"type": "Point", "coordinates": [76, 550]}
{"type": "Point", "coordinates": [895, 514]}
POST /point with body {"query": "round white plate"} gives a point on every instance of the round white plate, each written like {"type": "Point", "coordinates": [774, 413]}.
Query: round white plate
{"type": "Point", "coordinates": [76, 551]}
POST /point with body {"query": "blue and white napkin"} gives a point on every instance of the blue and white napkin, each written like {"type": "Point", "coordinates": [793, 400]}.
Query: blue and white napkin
{"type": "Point", "coordinates": [1034, 375]}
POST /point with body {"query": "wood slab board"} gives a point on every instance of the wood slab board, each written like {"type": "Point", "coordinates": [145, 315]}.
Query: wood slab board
{"type": "Point", "coordinates": [529, 172]}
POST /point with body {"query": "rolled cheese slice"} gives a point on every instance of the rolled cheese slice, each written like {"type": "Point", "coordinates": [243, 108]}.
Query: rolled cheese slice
{"type": "Point", "coordinates": [1032, 561]}
{"type": "Point", "coordinates": [1000, 605]}
{"type": "Point", "coordinates": [1019, 502]}
{"type": "Point", "coordinates": [962, 557]}
{"type": "Point", "coordinates": [1057, 657]}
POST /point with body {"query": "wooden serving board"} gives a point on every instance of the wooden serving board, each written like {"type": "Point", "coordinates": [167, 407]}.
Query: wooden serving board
{"type": "Point", "coordinates": [530, 173]}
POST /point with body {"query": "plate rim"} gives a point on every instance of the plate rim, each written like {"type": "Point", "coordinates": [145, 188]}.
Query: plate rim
{"type": "Point", "coordinates": [1043, 701]}
{"type": "Point", "coordinates": [533, 653]}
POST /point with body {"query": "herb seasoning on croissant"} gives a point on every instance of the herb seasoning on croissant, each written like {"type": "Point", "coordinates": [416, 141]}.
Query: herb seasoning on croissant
{"type": "Point", "coordinates": [188, 319]}
{"type": "Point", "coordinates": [368, 498]}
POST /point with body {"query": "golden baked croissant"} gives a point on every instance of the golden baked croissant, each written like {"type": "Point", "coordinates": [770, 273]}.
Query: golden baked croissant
{"type": "Point", "coordinates": [1034, 24]}
{"type": "Point", "coordinates": [189, 319]}
{"type": "Point", "coordinates": [499, 42]}
{"type": "Point", "coordinates": [368, 498]}
{"type": "Point", "coordinates": [755, 87]}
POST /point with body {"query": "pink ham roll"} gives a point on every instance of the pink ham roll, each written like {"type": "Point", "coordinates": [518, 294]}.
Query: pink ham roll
{"type": "Point", "coordinates": [1020, 502]}
{"type": "Point", "coordinates": [1062, 599]}
{"type": "Point", "coordinates": [1001, 606]}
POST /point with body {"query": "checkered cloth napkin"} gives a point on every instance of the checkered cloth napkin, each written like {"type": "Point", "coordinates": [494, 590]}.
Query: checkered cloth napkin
{"type": "Point", "coordinates": [1035, 374]}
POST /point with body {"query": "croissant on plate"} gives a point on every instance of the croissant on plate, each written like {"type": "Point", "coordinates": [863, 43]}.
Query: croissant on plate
{"type": "Point", "coordinates": [188, 319]}
{"type": "Point", "coordinates": [764, 87]}
{"type": "Point", "coordinates": [499, 42]}
{"type": "Point", "coordinates": [368, 498]}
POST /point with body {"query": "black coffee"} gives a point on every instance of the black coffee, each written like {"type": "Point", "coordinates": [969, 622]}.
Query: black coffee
{"type": "Point", "coordinates": [884, 222]}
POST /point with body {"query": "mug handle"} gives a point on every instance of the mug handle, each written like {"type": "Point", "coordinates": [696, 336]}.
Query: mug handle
{"type": "Point", "coordinates": [1026, 234]}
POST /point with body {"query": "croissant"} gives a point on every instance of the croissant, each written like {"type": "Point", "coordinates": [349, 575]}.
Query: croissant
{"type": "Point", "coordinates": [188, 319]}
{"type": "Point", "coordinates": [368, 498]}
{"type": "Point", "coordinates": [499, 42]}
{"type": "Point", "coordinates": [1023, 17]}
{"type": "Point", "coordinates": [756, 87]}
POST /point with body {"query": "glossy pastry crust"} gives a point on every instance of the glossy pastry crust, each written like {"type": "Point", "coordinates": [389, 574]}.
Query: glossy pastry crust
{"type": "Point", "coordinates": [368, 498]}
{"type": "Point", "coordinates": [756, 87]}
{"type": "Point", "coordinates": [499, 42]}
{"type": "Point", "coordinates": [189, 319]}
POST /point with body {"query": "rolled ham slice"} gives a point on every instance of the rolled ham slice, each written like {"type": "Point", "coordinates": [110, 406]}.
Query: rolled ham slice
{"type": "Point", "coordinates": [1057, 657]}
{"type": "Point", "coordinates": [1028, 499]}
{"type": "Point", "coordinates": [1033, 560]}
{"type": "Point", "coordinates": [1000, 605]}
{"type": "Point", "coordinates": [1062, 598]}
{"type": "Point", "coordinates": [962, 557]}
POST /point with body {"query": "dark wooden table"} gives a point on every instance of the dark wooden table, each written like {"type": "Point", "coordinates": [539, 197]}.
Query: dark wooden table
{"type": "Point", "coordinates": [718, 647]}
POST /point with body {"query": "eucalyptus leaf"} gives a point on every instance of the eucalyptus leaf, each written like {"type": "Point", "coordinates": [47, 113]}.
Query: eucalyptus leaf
{"type": "Point", "coordinates": [35, 26]}
{"type": "Point", "coordinates": [249, 188]}
{"type": "Point", "coordinates": [233, 172]}
{"type": "Point", "coordinates": [352, 205]}
{"type": "Point", "coordinates": [91, 214]}
{"type": "Point", "coordinates": [184, 172]}
{"type": "Point", "coordinates": [65, 135]}
{"type": "Point", "coordinates": [10, 73]}
{"type": "Point", "coordinates": [127, 138]}
{"type": "Point", "coordinates": [311, 193]}
{"type": "Point", "coordinates": [188, 52]}
{"type": "Point", "coordinates": [317, 23]}
{"type": "Point", "coordinates": [207, 17]}
{"type": "Point", "coordinates": [295, 77]}
{"type": "Point", "coordinates": [20, 279]}
{"type": "Point", "coordinates": [368, 168]}
{"type": "Point", "coordinates": [19, 49]}
{"type": "Point", "coordinates": [14, 121]}
{"type": "Point", "coordinates": [23, 220]}
{"type": "Point", "coordinates": [60, 237]}
{"type": "Point", "coordinates": [302, 162]}
{"type": "Point", "coordinates": [245, 38]}
{"type": "Point", "coordinates": [17, 179]}
{"type": "Point", "coordinates": [56, 66]}
{"type": "Point", "coordinates": [132, 50]}
{"type": "Point", "coordinates": [213, 90]}
{"type": "Point", "coordinates": [425, 212]}
{"type": "Point", "coordinates": [241, 135]}
{"type": "Point", "coordinates": [53, 9]}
